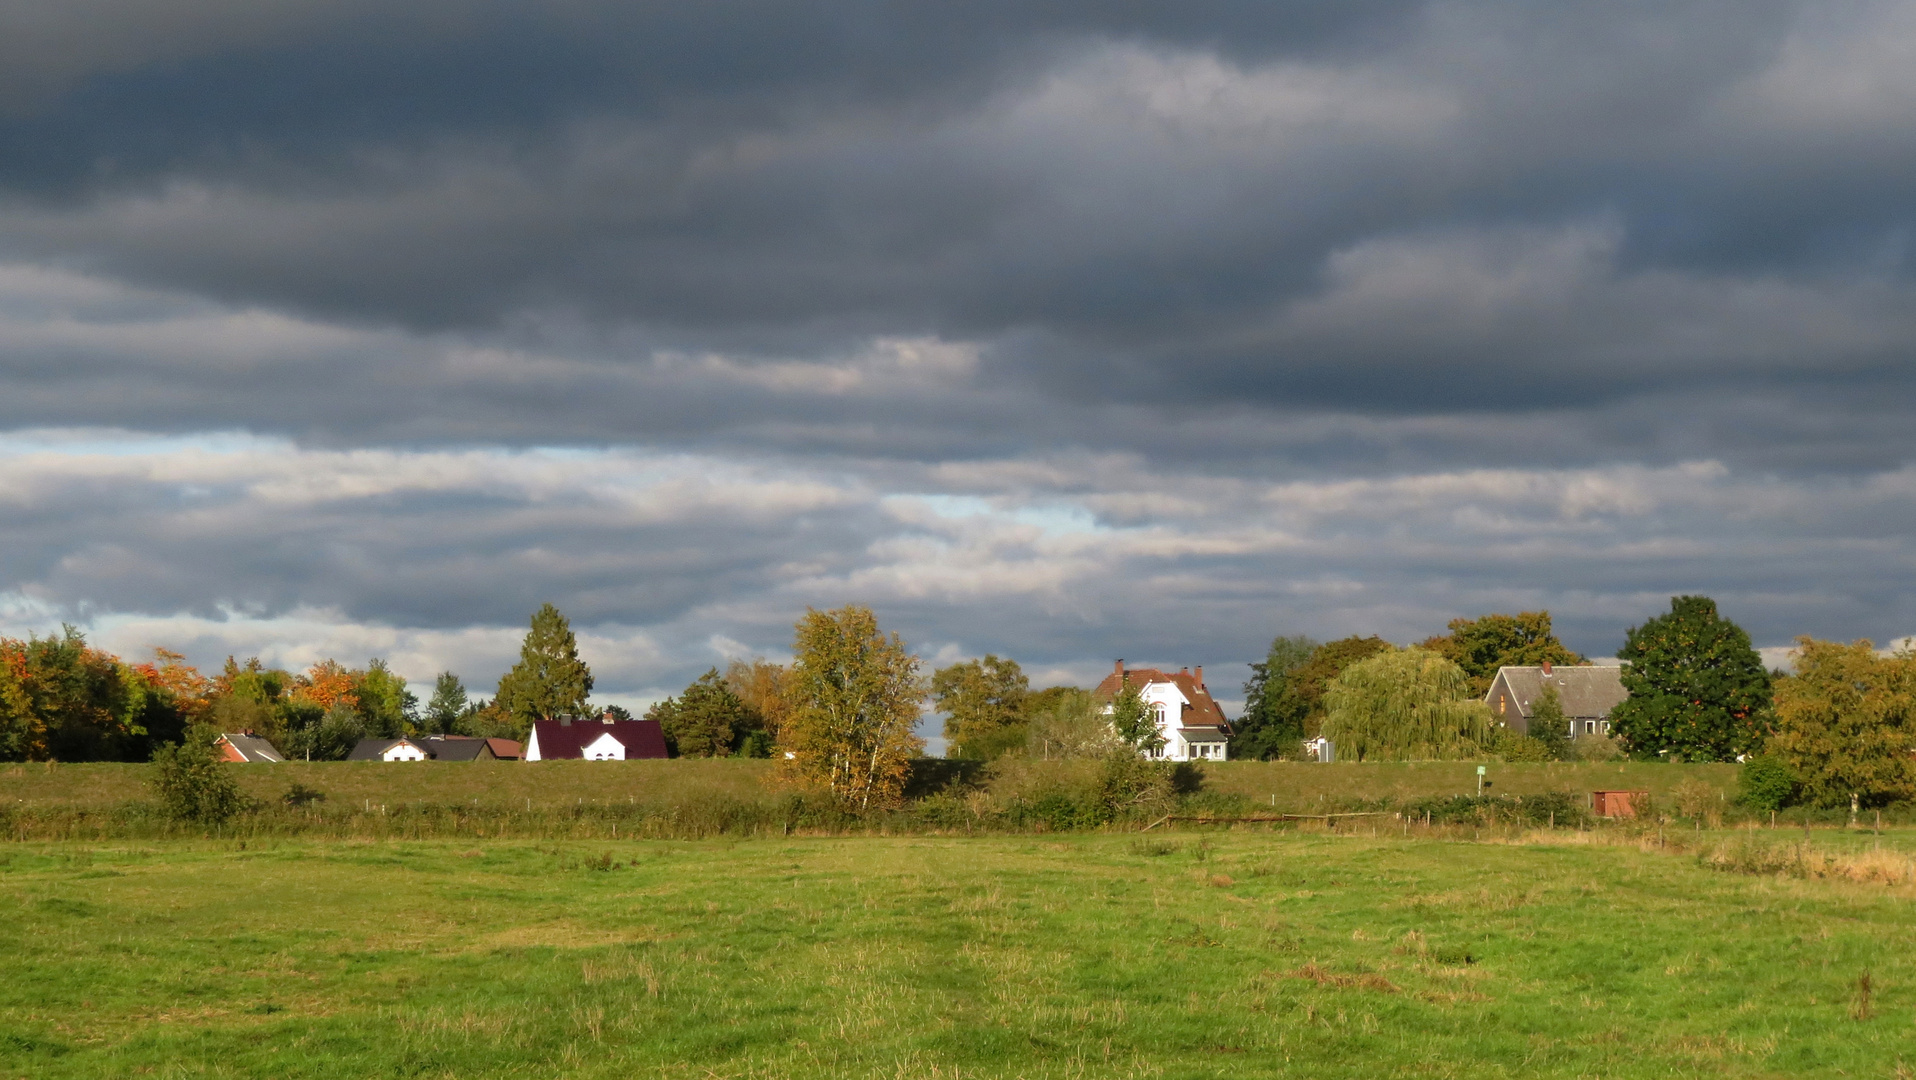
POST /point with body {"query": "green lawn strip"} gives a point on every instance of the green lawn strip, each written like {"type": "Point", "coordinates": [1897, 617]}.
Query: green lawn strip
{"type": "Point", "coordinates": [1224, 955]}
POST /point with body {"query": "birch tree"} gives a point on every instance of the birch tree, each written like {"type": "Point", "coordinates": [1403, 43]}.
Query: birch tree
{"type": "Point", "coordinates": [854, 695]}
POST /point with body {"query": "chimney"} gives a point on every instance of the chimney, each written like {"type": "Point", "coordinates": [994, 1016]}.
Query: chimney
{"type": "Point", "coordinates": [1200, 674]}
{"type": "Point", "coordinates": [1186, 670]}
{"type": "Point", "coordinates": [1546, 667]}
{"type": "Point", "coordinates": [1118, 669]}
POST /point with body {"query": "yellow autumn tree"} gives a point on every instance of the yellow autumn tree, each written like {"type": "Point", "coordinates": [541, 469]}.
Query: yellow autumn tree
{"type": "Point", "coordinates": [854, 697]}
{"type": "Point", "coordinates": [1846, 723]}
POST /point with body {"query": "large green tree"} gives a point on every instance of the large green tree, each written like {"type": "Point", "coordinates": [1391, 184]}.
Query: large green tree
{"type": "Point", "coordinates": [854, 696]}
{"type": "Point", "coordinates": [707, 720]}
{"type": "Point", "coordinates": [1274, 714]}
{"type": "Point", "coordinates": [984, 706]}
{"type": "Point", "coordinates": [549, 680]}
{"type": "Point", "coordinates": [1405, 705]}
{"type": "Point", "coordinates": [1284, 703]}
{"type": "Point", "coordinates": [1697, 688]}
{"type": "Point", "coordinates": [1482, 645]}
{"type": "Point", "coordinates": [387, 706]}
{"type": "Point", "coordinates": [1846, 723]}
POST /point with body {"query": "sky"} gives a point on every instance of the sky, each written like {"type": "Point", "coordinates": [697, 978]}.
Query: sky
{"type": "Point", "coordinates": [1060, 330]}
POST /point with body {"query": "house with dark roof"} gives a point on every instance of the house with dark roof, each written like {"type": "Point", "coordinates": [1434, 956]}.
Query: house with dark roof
{"type": "Point", "coordinates": [595, 739]}
{"type": "Point", "coordinates": [435, 748]}
{"type": "Point", "coordinates": [1588, 694]}
{"type": "Point", "coordinates": [245, 746]}
{"type": "Point", "coordinates": [1190, 723]}
{"type": "Point", "coordinates": [388, 750]}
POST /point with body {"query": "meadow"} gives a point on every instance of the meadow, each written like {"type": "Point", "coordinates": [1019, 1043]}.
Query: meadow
{"type": "Point", "coordinates": [1199, 953]}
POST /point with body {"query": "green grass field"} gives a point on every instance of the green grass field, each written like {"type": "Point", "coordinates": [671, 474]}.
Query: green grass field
{"type": "Point", "coordinates": [1224, 954]}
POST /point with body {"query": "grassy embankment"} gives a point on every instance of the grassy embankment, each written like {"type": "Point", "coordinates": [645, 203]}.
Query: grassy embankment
{"type": "Point", "coordinates": [1189, 955]}
{"type": "Point", "coordinates": [688, 798]}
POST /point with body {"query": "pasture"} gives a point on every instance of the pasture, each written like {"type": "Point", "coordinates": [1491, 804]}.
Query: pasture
{"type": "Point", "coordinates": [1179, 954]}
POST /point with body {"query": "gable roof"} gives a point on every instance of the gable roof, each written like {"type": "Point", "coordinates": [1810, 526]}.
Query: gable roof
{"type": "Point", "coordinates": [245, 746]}
{"type": "Point", "coordinates": [375, 749]}
{"type": "Point", "coordinates": [505, 749]}
{"type": "Point", "coordinates": [1587, 692]}
{"type": "Point", "coordinates": [568, 738]}
{"type": "Point", "coordinates": [452, 747]}
{"type": "Point", "coordinates": [1203, 712]}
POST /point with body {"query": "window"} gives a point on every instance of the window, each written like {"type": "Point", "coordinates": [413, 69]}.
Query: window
{"type": "Point", "coordinates": [1589, 727]}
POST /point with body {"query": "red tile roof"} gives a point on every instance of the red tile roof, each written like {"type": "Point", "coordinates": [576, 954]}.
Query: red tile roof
{"type": "Point", "coordinates": [1203, 712]}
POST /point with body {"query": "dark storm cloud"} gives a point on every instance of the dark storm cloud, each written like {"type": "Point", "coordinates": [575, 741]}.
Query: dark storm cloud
{"type": "Point", "coordinates": [1396, 208]}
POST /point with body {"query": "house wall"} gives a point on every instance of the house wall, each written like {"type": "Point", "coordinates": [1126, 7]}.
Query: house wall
{"type": "Point", "coordinates": [605, 748]}
{"type": "Point", "coordinates": [404, 752]}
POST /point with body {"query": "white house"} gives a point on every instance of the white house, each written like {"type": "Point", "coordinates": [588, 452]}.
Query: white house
{"type": "Point", "coordinates": [602, 739]}
{"type": "Point", "coordinates": [1190, 724]}
{"type": "Point", "coordinates": [388, 750]}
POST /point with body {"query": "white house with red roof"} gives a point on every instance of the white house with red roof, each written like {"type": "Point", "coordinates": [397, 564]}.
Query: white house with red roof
{"type": "Point", "coordinates": [601, 739]}
{"type": "Point", "coordinates": [1190, 723]}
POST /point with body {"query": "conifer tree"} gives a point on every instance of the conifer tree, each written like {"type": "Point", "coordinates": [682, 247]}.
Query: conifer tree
{"type": "Point", "coordinates": [549, 680]}
{"type": "Point", "coordinates": [448, 704]}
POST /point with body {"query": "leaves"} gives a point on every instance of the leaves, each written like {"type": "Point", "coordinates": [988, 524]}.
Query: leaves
{"type": "Point", "coordinates": [1697, 687]}
{"type": "Point", "coordinates": [1409, 704]}
{"type": "Point", "coordinates": [984, 706]}
{"type": "Point", "coordinates": [1846, 723]}
{"type": "Point", "coordinates": [854, 695]}
{"type": "Point", "coordinates": [549, 680]}
{"type": "Point", "coordinates": [1482, 645]}
{"type": "Point", "coordinates": [707, 720]}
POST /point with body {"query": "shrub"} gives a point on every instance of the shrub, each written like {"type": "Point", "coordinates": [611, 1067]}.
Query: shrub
{"type": "Point", "coordinates": [1766, 783]}
{"type": "Point", "coordinates": [193, 783]}
{"type": "Point", "coordinates": [1699, 801]}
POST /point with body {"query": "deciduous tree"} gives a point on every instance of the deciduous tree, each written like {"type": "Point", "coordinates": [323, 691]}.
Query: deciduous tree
{"type": "Point", "coordinates": [1482, 645]}
{"type": "Point", "coordinates": [854, 695]}
{"type": "Point", "coordinates": [549, 680]}
{"type": "Point", "coordinates": [1846, 723]}
{"type": "Point", "coordinates": [193, 784]}
{"type": "Point", "coordinates": [984, 706]}
{"type": "Point", "coordinates": [1697, 687]}
{"type": "Point", "coordinates": [1405, 705]}
{"type": "Point", "coordinates": [1135, 720]}
{"type": "Point", "coordinates": [1274, 713]}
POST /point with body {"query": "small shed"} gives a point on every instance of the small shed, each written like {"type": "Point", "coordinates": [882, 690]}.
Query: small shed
{"type": "Point", "coordinates": [1618, 804]}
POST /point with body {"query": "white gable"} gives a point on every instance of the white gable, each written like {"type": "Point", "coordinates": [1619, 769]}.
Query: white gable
{"type": "Point", "coordinates": [604, 748]}
{"type": "Point", "coordinates": [403, 751]}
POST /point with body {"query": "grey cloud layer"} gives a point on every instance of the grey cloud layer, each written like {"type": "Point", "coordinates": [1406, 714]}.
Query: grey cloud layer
{"type": "Point", "coordinates": [677, 561]}
{"type": "Point", "coordinates": [1402, 209]}
{"type": "Point", "coordinates": [1051, 328]}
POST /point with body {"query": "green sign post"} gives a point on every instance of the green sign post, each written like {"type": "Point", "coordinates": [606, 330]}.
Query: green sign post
{"type": "Point", "coordinates": [1480, 781]}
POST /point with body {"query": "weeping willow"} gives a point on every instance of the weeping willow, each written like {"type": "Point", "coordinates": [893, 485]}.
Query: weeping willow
{"type": "Point", "coordinates": [1405, 705]}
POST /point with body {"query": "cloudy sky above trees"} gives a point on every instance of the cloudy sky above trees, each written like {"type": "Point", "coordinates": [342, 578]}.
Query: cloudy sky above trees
{"type": "Point", "coordinates": [1060, 330]}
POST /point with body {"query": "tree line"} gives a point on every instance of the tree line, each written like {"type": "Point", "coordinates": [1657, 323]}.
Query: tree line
{"type": "Point", "coordinates": [1841, 726]}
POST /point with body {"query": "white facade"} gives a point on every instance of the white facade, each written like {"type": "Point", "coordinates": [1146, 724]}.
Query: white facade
{"type": "Point", "coordinates": [1171, 705]}
{"type": "Point", "coordinates": [403, 751]}
{"type": "Point", "coordinates": [603, 748]}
